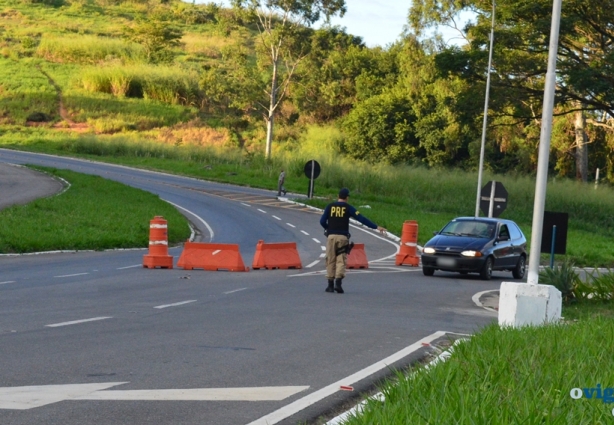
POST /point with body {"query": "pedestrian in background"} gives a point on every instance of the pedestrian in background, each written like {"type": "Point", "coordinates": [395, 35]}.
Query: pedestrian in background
{"type": "Point", "coordinates": [280, 183]}
{"type": "Point", "coordinates": [336, 223]}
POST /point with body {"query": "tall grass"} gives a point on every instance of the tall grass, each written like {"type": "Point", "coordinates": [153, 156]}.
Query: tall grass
{"type": "Point", "coordinates": [89, 49]}
{"type": "Point", "coordinates": [159, 83]}
{"type": "Point", "coordinates": [507, 376]}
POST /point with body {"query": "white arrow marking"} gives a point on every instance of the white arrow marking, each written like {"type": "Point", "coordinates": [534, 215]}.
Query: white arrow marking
{"type": "Point", "coordinates": [23, 398]}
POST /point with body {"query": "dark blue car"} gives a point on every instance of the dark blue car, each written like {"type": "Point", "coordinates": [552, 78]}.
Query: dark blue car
{"type": "Point", "coordinates": [477, 245]}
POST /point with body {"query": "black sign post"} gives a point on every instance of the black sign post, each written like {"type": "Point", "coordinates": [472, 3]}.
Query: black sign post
{"type": "Point", "coordinates": [493, 199]}
{"type": "Point", "coordinates": [554, 234]}
{"type": "Point", "coordinates": [312, 171]}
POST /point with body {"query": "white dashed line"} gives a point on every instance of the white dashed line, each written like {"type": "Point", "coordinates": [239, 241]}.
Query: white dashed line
{"type": "Point", "coordinates": [304, 232]}
{"type": "Point", "coordinates": [291, 225]}
{"type": "Point", "coordinates": [236, 290]}
{"type": "Point", "coordinates": [315, 240]}
{"type": "Point", "coordinates": [323, 248]}
{"type": "Point", "coordinates": [75, 322]}
{"type": "Point", "coordinates": [247, 205]}
{"type": "Point", "coordinates": [130, 267]}
{"type": "Point", "coordinates": [312, 264]}
{"type": "Point", "coordinates": [262, 211]}
{"type": "Point", "coordinates": [71, 275]}
{"type": "Point", "coordinates": [176, 304]}
{"type": "Point", "coordinates": [8, 281]}
{"type": "Point", "coordinates": [276, 218]}
{"type": "Point", "coordinates": [322, 255]}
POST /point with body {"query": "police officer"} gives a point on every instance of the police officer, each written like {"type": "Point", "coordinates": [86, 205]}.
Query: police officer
{"type": "Point", "coordinates": [336, 222]}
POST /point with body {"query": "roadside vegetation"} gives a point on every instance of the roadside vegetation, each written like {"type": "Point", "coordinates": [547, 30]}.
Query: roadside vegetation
{"type": "Point", "coordinates": [90, 214]}
{"type": "Point", "coordinates": [508, 376]}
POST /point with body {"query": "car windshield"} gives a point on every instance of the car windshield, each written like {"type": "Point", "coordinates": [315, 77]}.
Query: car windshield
{"type": "Point", "coordinates": [474, 229]}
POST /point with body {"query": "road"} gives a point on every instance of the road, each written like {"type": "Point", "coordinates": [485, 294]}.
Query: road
{"type": "Point", "coordinates": [94, 338]}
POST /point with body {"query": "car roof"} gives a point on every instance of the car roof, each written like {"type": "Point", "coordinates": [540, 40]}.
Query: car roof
{"type": "Point", "coordinates": [484, 219]}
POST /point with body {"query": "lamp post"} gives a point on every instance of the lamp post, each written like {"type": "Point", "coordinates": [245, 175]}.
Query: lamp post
{"type": "Point", "coordinates": [485, 121]}
{"type": "Point", "coordinates": [544, 147]}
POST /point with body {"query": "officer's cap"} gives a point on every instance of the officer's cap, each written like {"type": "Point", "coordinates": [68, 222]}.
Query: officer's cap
{"type": "Point", "coordinates": [344, 193]}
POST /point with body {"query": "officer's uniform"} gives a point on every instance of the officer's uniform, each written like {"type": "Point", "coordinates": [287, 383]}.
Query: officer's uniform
{"type": "Point", "coordinates": [336, 221]}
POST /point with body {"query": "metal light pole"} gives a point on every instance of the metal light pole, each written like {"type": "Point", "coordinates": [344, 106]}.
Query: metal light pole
{"type": "Point", "coordinates": [492, 38]}
{"type": "Point", "coordinates": [544, 147]}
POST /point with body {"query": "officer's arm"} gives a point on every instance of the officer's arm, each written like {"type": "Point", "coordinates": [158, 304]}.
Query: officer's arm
{"type": "Point", "coordinates": [364, 220]}
{"type": "Point", "coordinates": [324, 218]}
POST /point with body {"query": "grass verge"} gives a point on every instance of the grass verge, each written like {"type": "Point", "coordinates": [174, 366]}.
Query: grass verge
{"type": "Point", "coordinates": [509, 376]}
{"type": "Point", "coordinates": [91, 215]}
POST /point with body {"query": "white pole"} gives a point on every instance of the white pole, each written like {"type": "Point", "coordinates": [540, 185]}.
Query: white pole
{"type": "Point", "coordinates": [485, 121]}
{"type": "Point", "coordinates": [597, 178]}
{"type": "Point", "coordinates": [544, 147]}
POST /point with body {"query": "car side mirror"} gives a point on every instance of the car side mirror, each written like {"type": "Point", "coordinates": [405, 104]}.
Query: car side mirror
{"type": "Point", "coordinates": [503, 238]}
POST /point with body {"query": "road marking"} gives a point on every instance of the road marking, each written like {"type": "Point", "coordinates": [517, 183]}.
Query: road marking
{"type": "Point", "coordinates": [304, 232]}
{"type": "Point", "coordinates": [130, 267]}
{"type": "Point", "coordinates": [198, 217]}
{"type": "Point", "coordinates": [23, 398]}
{"type": "Point", "coordinates": [291, 225]}
{"type": "Point", "coordinates": [8, 281]}
{"type": "Point", "coordinates": [247, 205]}
{"type": "Point", "coordinates": [71, 275]}
{"type": "Point", "coordinates": [75, 322]}
{"type": "Point", "coordinates": [323, 248]}
{"type": "Point", "coordinates": [236, 290]}
{"type": "Point", "coordinates": [176, 304]}
{"type": "Point", "coordinates": [322, 255]}
{"type": "Point", "coordinates": [276, 218]}
{"type": "Point", "coordinates": [316, 396]}
{"type": "Point", "coordinates": [262, 211]}
{"type": "Point", "coordinates": [312, 264]}
{"type": "Point", "coordinates": [315, 240]}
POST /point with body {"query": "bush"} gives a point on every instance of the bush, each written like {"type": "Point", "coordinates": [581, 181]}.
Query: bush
{"type": "Point", "coordinates": [564, 278]}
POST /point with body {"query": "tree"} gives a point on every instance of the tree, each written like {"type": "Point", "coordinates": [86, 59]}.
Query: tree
{"type": "Point", "coordinates": [156, 37]}
{"type": "Point", "coordinates": [585, 56]}
{"type": "Point", "coordinates": [283, 43]}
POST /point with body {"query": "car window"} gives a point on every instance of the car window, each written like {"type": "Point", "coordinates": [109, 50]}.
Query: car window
{"type": "Point", "coordinates": [504, 233]}
{"type": "Point", "coordinates": [515, 232]}
{"type": "Point", "coordinates": [477, 229]}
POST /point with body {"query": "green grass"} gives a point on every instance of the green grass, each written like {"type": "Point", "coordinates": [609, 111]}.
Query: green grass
{"type": "Point", "coordinates": [506, 376]}
{"type": "Point", "coordinates": [90, 215]}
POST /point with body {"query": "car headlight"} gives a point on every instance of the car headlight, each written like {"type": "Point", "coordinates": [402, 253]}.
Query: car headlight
{"type": "Point", "coordinates": [471, 254]}
{"type": "Point", "coordinates": [428, 250]}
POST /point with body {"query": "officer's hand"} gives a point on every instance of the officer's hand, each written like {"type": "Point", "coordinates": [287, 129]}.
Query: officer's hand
{"type": "Point", "coordinates": [381, 230]}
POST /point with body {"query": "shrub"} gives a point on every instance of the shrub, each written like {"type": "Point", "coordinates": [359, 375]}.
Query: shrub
{"type": "Point", "coordinates": [564, 278]}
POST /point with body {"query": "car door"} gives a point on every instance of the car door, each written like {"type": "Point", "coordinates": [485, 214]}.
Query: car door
{"type": "Point", "coordinates": [518, 242]}
{"type": "Point", "coordinates": [503, 252]}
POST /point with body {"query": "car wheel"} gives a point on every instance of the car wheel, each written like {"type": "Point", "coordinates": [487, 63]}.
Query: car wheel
{"type": "Point", "coordinates": [520, 268]}
{"type": "Point", "coordinates": [486, 271]}
{"type": "Point", "coordinates": [428, 271]}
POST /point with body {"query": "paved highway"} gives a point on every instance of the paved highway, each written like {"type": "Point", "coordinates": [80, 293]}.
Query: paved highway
{"type": "Point", "coordinates": [94, 338]}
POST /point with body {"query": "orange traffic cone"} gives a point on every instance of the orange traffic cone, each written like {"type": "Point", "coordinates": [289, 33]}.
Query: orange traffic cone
{"type": "Point", "coordinates": [409, 243]}
{"type": "Point", "coordinates": [158, 245]}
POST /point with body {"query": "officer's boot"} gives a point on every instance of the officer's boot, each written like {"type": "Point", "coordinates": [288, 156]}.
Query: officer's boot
{"type": "Point", "coordinates": [330, 286]}
{"type": "Point", "coordinates": [338, 287]}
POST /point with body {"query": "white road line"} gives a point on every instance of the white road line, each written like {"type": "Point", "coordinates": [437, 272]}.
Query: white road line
{"type": "Point", "coordinates": [315, 240]}
{"type": "Point", "coordinates": [322, 255]}
{"type": "Point", "coordinates": [247, 205]}
{"type": "Point", "coordinates": [312, 264]}
{"type": "Point", "coordinates": [291, 225]}
{"type": "Point", "coordinates": [276, 218]}
{"type": "Point", "coordinates": [304, 232]}
{"type": "Point", "coordinates": [323, 248]}
{"type": "Point", "coordinates": [75, 322]}
{"type": "Point", "coordinates": [129, 267]}
{"type": "Point", "coordinates": [176, 304]}
{"type": "Point", "coordinates": [262, 211]}
{"type": "Point", "coordinates": [71, 275]}
{"type": "Point", "coordinates": [303, 403]}
{"type": "Point", "coordinates": [236, 290]}
{"type": "Point", "coordinates": [8, 281]}
{"type": "Point", "coordinates": [198, 217]}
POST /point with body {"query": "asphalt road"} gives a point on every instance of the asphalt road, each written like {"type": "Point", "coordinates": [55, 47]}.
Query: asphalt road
{"type": "Point", "coordinates": [94, 338]}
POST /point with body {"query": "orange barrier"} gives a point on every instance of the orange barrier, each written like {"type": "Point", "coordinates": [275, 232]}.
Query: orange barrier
{"type": "Point", "coordinates": [409, 243]}
{"type": "Point", "coordinates": [276, 256]}
{"type": "Point", "coordinates": [211, 256]}
{"type": "Point", "coordinates": [358, 257]}
{"type": "Point", "coordinates": [158, 245]}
